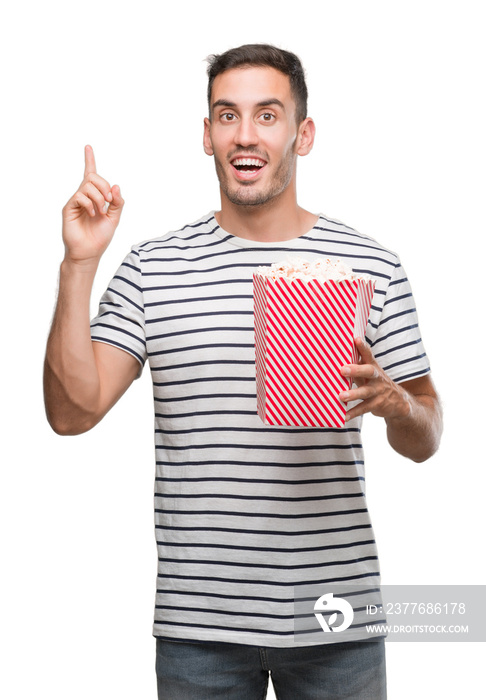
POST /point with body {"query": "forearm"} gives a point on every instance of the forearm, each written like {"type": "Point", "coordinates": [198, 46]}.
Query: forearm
{"type": "Point", "coordinates": [71, 379]}
{"type": "Point", "coordinates": [417, 435]}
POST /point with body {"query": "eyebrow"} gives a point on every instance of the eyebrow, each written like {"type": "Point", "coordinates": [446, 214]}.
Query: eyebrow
{"type": "Point", "coordinates": [264, 103]}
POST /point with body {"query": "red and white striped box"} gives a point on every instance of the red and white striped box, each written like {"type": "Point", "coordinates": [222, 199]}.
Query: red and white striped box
{"type": "Point", "coordinates": [304, 334]}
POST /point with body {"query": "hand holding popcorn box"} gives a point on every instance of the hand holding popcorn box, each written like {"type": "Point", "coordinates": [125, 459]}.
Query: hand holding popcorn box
{"type": "Point", "coordinates": [306, 318]}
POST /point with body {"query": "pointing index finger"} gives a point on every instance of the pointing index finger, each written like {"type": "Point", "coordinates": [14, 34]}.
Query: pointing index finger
{"type": "Point", "coordinates": [89, 161]}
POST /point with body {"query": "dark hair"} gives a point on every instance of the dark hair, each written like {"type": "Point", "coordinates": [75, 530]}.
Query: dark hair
{"type": "Point", "coordinates": [262, 55]}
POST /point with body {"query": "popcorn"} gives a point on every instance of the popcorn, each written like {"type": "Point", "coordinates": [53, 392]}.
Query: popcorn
{"type": "Point", "coordinates": [307, 315]}
{"type": "Point", "coordinates": [322, 269]}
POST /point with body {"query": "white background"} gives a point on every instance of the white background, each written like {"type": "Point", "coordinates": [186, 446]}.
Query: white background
{"type": "Point", "coordinates": [395, 90]}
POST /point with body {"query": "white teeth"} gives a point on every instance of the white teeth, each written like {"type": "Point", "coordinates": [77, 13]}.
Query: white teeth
{"type": "Point", "coordinates": [249, 161]}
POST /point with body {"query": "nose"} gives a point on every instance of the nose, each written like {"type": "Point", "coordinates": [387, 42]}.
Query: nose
{"type": "Point", "coordinates": [246, 133]}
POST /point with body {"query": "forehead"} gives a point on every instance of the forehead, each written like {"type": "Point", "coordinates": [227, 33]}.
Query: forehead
{"type": "Point", "coordinates": [251, 85]}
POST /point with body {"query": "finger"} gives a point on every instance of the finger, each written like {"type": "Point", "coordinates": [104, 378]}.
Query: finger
{"type": "Point", "coordinates": [101, 184]}
{"type": "Point", "coordinates": [360, 371]}
{"type": "Point", "coordinates": [117, 200]}
{"type": "Point", "coordinates": [367, 391]}
{"type": "Point", "coordinates": [89, 161]}
{"type": "Point", "coordinates": [95, 195]}
{"type": "Point", "coordinates": [84, 202]}
{"type": "Point", "coordinates": [364, 350]}
{"type": "Point", "coordinates": [117, 203]}
{"type": "Point", "coordinates": [358, 410]}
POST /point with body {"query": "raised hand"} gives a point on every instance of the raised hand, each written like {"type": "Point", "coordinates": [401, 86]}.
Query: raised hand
{"type": "Point", "coordinates": [91, 216]}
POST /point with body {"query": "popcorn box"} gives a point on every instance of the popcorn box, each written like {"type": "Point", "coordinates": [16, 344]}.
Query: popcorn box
{"type": "Point", "coordinates": [304, 334]}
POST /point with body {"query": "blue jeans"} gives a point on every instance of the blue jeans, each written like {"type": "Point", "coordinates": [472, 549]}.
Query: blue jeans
{"type": "Point", "coordinates": [208, 671]}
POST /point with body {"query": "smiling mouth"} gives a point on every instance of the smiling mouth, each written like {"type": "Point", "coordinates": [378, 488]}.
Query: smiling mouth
{"type": "Point", "coordinates": [248, 165]}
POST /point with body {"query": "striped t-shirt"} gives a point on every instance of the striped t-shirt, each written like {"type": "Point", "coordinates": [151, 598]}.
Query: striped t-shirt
{"type": "Point", "coordinates": [246, 512]}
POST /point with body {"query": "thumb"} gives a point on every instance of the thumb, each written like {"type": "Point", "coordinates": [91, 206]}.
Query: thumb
{"type": "Point", "coordinates": [366, 356]}
{"type": "Point", "coordinates": [116, 204]}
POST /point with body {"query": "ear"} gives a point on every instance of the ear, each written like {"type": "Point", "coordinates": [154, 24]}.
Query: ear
{"type": "Point", "coordinates": [208, 147]}
{"type": "Point", "coordinates": [305, 136]}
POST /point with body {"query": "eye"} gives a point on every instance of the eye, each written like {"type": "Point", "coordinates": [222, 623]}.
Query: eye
{"type": "Point", "coordinates": [227, 117]}
{"type": "Point", "coordinates": [267, 117]}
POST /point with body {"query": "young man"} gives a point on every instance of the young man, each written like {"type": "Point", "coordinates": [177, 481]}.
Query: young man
{"type": "Point", "coordinates": [244, 512]}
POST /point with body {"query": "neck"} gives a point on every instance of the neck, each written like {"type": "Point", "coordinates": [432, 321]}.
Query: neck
{"type": "Point", "coordinates": [267, 223]}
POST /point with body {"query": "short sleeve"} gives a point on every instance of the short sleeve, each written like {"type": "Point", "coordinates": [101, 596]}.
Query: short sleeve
{"type": "Point", "coordinates": [121, 317]}
{"type": "Point", "coordinates": [396, 340]}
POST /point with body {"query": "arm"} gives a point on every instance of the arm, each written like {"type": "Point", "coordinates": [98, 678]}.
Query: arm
{"type": "Point", "coordinates": [411, 410]}
{"type": "Point", "coordinates": [82, 379]}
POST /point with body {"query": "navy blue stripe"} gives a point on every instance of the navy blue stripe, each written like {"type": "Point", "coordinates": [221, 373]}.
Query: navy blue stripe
{"type": "Point", "coordinates": [231, 613]}
{"type": "Point", "coordinates": [118, 315]}
{"type": "Point", "coordinates": [403, 362]}
{"type": "Point", "coordinates": [119, 345]}
{"type": "Point", "coordinates": [184, 238]}
{"type": "Point", "coordinates": [242, 582]}
{"type": "Point", "coordinates": [161, 245]}
{"type": "Point", "coordinates": [117, 330]}
{"type": "Point", "coordinates": [402, 280]}
{"type": "Point", "coordinates": [239, 613]}
{"type": "Point", "coordinates": [198, 300]}
{"type": "Point", "coordinates": [229, 329]}
{"type": "Point", "coordinates": [274, 429]}
{"type": "Point", "coordinates": [171, 260]}
{"type": "Point", "coordinates": [399, 315]}
{"type": "Point", "coordinates": [394, 300]}
{"type": "Point", "coordinates": [396, 332]}
{"type": "Point", "coordinates": [285, 448]}
{"type": "Point", "coordinates": [280, 248]}
{"type": "Point", "coordinates": [241, 480]}
{"type": "Point", "coordinates": [205, 363]}
{"type": "Point", "coordinates": [400, 298]}
{"type": "Point", "coordinates": [199, 315]}
{"type": "Point", "coordinates": [249, 630]}
{"type": "Point", "coordinates": [279, 567]}
{"type": "Point", "coordinates": [253, 265]}
{"type": "Point", "coordinates": [240, 497]}
{"type": "Point", "coordinates": [203, 271]}
{"type": "Point", "coordinates": [214, 283]}
{"type": "Point", "coordinates": [220, 627]}
{"type": "Point", "coordinates": [194, 414]}
{"type": "Point", "coordinates": [290, 550]}
{"type": "Point", "coordinates": [131, 267]}
{"type": "Point", "coordinates": [205, 346]}
{"type": "Point", "coordinates": [195, 397]}
{"type": "Point", "coordinates": [125, 280]}
{"type": "Point", "coordinates": [339, 242]}
{"type": "Point", "coordinates": [241, 514]}
{"type": "Point", "coordinates": [396, 348]}
{"type": "Point", "coordinates": [228, 596]}
{"type": "Point", "coordinates": [198, 380]}
{"type": "Point", "coordinates": [414, 375]}
{"type": "Point", "coordinates": [238, 463]}
{"type": "Point", "coordinates": [346, 230]}
{"type": "Point", "coordinates": [269, 599]}
{"type": "Point", "coordinates": [392, 318]}
{"type": "Point", "coordinates": [278, 533]}
{"type": "Point", "coordinates": [125, 298]}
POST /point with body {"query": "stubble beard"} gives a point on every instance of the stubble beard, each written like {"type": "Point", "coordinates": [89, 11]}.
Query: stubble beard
{"type": "Point", "coordinates": [247, 194]}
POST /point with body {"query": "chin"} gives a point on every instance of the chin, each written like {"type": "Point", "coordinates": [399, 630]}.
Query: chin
{"type": "Point", "coordinates": [248, 200]}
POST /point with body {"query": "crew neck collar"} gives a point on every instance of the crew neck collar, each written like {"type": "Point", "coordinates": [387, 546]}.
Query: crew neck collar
{"type": "Point", "coordinates": [250, 243]}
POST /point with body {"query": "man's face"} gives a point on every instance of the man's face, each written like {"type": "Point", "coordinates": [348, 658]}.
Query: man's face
{"type": "Point", "coordinates": [252, 134]}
